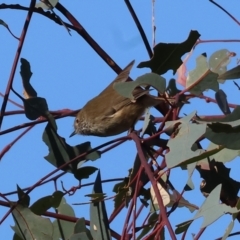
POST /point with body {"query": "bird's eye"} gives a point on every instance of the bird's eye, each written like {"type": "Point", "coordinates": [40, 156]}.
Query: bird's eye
{"type": "Point", "coordinates": [76, 120]}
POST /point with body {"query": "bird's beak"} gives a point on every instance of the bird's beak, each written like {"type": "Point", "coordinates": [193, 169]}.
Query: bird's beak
{"type": "Point", "coordinates": [73, 133]}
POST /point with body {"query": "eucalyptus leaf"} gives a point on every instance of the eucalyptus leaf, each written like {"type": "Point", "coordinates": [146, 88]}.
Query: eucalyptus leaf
{"type": "Point", "coordinates": [149, 79]}
{"type": "Point", "coordinates": [207, 79]}
{"type": "Point", "coordinates": [167, 56]}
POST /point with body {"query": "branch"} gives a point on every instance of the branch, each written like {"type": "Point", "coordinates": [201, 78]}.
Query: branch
{"type": "Point", "coordinates": [17, 55]}
{"type": "Point", "coordinates": [223, 9]}
{"type": "Point", "coordinates": [154, 184]}
{"type": "Point", "coordinates": [140, 29]}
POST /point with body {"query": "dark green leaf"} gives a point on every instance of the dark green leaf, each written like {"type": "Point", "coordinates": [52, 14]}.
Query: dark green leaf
{"type": "Point", "coordinates": [223, 134]}
{"type": "Point", "coordinates": [99, 225]}
{"type": "Point", "coordinates": [3, 23]}
{"type": "Point", "coordinates": [121, 189]}
{"type": "Point", "coordinates": [144, 202]}
{"type": "Point", "coordinates": [148, 125]}
{"type": "Point", "coordinates": [57, 198]}
{"type": "Point", "coordinates": [182, 227]}
{"type": "Point", "coordinates": [149, 79]}
{"type": "Point", "coordinates": [172, 89]}
{"type": "Point", "coordinates": [84, 172]}
{"type": "Point", "coordinates": [215, 173]}
{"type": "Point", "coordinates": [43, 204]}
{"type": "Point", "coordinates": [168, 55]}
{"type": "Point", "coordinates": [233, 73]}
{"type": "Point", "coordinates": [26, 75]}
{"type": "Point", "coordinates": [222, 102]}
{"type": "Point", "coordinates": [60, 152]}
{"type": "Point", "coordinates": [16, 237]}
{"type": "Point", "coordinates": [24, 198]}
{"type": "Point", "coordinates": [96, 197]}
{"type": "Point", "coordinates": [35, 107]}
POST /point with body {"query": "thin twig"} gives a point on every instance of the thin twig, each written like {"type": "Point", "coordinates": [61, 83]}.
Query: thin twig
{"type": "Point", "coordinates": [224, 10]}
{"type": "Point", "coordinates": [8, 147]}
{"type": "Point", "coordinates": [15, 62]}
{"type": "Point", "coordinates": [140, 29]}
{"type": "Point", "coordinates": [153, 25]}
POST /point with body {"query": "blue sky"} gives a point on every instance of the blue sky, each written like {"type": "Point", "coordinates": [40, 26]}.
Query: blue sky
{"type": "Point", "coordinates": [67, 72]}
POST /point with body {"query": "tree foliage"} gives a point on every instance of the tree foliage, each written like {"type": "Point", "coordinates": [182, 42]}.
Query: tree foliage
{"type": "Point", "coordinates": [170, 140]}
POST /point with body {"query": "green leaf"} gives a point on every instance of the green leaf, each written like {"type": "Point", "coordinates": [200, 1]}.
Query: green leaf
{"type": "Point", "coordinates": [228, 230]}
{"type": "Point", "coordinates": [16, 237]}
{"type": "Point", "coordinates": [168, 55]}
{"type": "Point", "coordinates": [235, 115]}
{"type": "Point", "coordinates": [181, 145]}
{"type": "Point", "coordinates": [182, 227]}
{"type": "Point", "coordinates": [60, 152]}
{"type": "Point", "coordinates": [84, 172]}
{"type": "Point", "coordinates": [96, 196]}
{"type": "Point", "coordinates": [99, 225]}
{"type": "Point", "coordinates": [24, 198]}
{"type": "Point", "coordinates": [149, 79]}
{"type": "Point", "coordinates": [43, 204]}
{"type": "Point", "coordinates": [61, 226]}
{"type": "Point", "coordinates": [31, 226]}
{"type": "Point", "coordinates": [169, 125]}
{"type": "Point", "coordinates": [45, 6]}
{"type": "Point", "coordinates": [224, 134]}
{"type": "Point", "coordinates": [205, 154]}
{"type": "Point", "coordinates": [148, 124]}
{"type": "Point", "coordinates": [80, 236]}
{"type": "Point", "coordinates": [219, 60]}
{"type": "Point", "coordinates": [121, 189]}
{"type": "Point", "coordinates": [208, 78]}
{"type": "Point", "coordinates": [35, 107]}
{"type": "Point", "coordinates": [80, 227]}
{"type": "Point", "coordinates": [189, 185]}
{"type": "Point", "coordinates": [212, 209]}
{"type": "Point", "coordinates": [233, 73]}
{"type": "Point", "coordinates": [222, 102]}
{"type": "Point", "coordinates": [3, 23]}
{"type": "Point", "coordinates": [224, 155]}
{"type": "Point", "coordinates": [172, 89]}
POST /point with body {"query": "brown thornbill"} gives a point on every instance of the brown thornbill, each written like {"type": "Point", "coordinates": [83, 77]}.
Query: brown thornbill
{"type": "Point", "coordinates": [109, 113]}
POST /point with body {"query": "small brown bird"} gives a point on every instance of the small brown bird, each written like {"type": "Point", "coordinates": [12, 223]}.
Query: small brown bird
{"type": "Point", "coordinates": [109, 113]}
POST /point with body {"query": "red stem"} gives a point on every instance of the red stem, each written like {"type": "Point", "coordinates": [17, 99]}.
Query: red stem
{"type": "Point", "coordinates": [17, 55]}
{"type": "Point", "coordinates": [8, 147]}
{"type": "Point", "coordinates": [154, 184]}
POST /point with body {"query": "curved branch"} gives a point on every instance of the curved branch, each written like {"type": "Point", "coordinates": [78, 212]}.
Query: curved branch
{"type": "Point", "coordinates": [140, 29]}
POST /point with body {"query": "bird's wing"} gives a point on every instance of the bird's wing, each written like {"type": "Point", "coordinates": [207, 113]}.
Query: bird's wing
{"type": "Point", "coordinates": [122, 77]}
{"type": "Point", "coordinates": [121, 102]}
